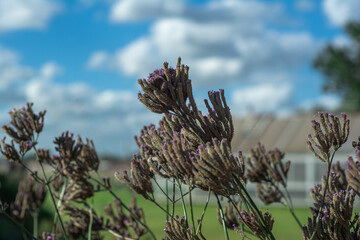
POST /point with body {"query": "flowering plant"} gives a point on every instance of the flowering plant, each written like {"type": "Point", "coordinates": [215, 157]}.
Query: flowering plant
{"type": "Point", "coordinates": [187, 149]}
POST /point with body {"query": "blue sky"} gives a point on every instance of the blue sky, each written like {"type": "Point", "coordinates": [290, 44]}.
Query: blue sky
{"type": "Point", "coordinates": [81, 59]}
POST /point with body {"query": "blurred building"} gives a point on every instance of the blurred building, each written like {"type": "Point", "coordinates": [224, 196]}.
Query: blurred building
{"type": "Point", "coordinates": [289, 134]}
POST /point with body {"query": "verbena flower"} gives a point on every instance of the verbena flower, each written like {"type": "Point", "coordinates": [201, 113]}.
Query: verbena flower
{"type": "Point", "coordinates": [329, 134]}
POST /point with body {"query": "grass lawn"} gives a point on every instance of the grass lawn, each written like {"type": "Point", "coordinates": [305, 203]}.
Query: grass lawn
{"type": "Point", "coordinates": [285, 226]}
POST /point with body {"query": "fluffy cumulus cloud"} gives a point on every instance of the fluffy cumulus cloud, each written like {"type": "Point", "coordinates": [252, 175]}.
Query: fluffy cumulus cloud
{"type": "Point", "coordinates": [340, 12]}
{"type": "Point", "coordinates": [110, 117]}
{"type": "Point", "coordinates": [327, 102]}
{"type": "Point", "coordinates": [222, 41]}
{"type": "Point", "coordinates": [25, 14]}
{"type": "Point", "coordinates": [268, 98]}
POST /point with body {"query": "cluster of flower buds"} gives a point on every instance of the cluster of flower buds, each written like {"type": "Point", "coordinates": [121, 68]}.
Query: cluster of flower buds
{"type": "Point", "coordinates": [267, 193]}
{"type": "Point", "coordinates": [353, 169]}
{"type": "Point", "coordinates": [268, 170]}
{"type": "Point", "coordinates": [23, 129]}
{"type": "Point", "coordinates": [176, 229]}
{"type": "Point", "coordinates": [165, 89]}
{"type": "Point", "coordinates": [75, 161]}
{"type": "Point", "coordinates": [231, 218]}
{"type": "Point", "coordinates": [265, 166]}
{"type": "Point", "coordinates": [329, 133]}
{"type": "Point", "coordinates": [218, 169]}
{"type": "Point", "coordinates": [80, 221]}
{"type": "Point", "coordinates": [140, 177]}
{"type": "Point", "coordinates": [121, 223]}
{"type": "Point", "coordinates": [252, 221]}
{"type": "Point", "coordinates": [328, 227]}
{"type": "Point", "coordinates": [337, 183]}
{"type": "Point", "coordinates": [29, 198]}
{"type": "Point", "coordinates": [25, 123]}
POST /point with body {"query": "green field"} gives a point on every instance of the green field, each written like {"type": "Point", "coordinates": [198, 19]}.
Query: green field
{"type": "Point", "coordinates": [285, 227]}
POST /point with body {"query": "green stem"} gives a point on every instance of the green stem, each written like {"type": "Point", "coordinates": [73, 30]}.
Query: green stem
{"type": "Point", "coordinates": [124, 206]}
{"type": "Point", "coordinates": [288, 203]}
{"type": "Point", "coordinates": [91, 219]}
{"type": "Point", "coordinates": [167, 202]}
{"type": "Point", "coordinates": [222, 217]}
{"type": "Point", "coordinates": [52, 197]}
{"type": "Point", "coordinates": [35, 216]}
{"type": "Point", "coordinates": [173, 202]}
{"type": "Point", "coordinates": [191, 206]}
{"type": "Point", "coordinates": [254, 207]}
{"type": "Point", "coordinates": [203, 213]}
{"type": "Point", "coordinates": [324, 196]}
{"type": "Point", "coordinates": [62, 193]}
{"type": "Point", "coordinates": [291, 209]}
{"type": "Point", "coordinates": [182, 202]}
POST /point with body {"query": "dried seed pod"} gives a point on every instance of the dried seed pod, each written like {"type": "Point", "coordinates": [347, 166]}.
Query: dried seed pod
{"type": "Point", "coordinates": [121, 223]}
{"type": "Point", "coordinates": [29, 198]}
{"type": "Point", "coordinates": [252, 221]}
{"type": "Point", "coordinates": [215, 167]}
{"type": "Point", "coordinates": [80, 221]}
{"type": "Point", "coordinates": [329, 134]}
{"type": "Point", "coordinates": [24, 124]}
{"type": "Point", "coordinates": [265, 166]}
{"type": "Point", "coordinates": [176, 229]}
{"type": "Point", "coordinates": [267, 193]}
{"type": "Point", "coordinates": [353, 174]}
{"type": "Point", "coordinates": [44, 155]}
{"type": "Point", "coordinates": [9, 151]}
{"type": "Point", "coordinates": [165, 89]}
{"type": "Point", "coordinates": [231, 217]}
{"type": "Point", "coordinates": [140, 178]}
{"type": "Point", "coordinates": [335, 186]}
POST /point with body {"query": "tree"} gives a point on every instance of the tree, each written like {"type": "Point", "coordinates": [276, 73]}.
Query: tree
{"type": "Point", "coordinates": [341, 67]}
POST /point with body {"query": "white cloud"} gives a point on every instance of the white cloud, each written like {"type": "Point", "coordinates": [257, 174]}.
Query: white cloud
{"type": "Point", "coordinates": [275, 98]}
{"type": "Point", "coordinates": [340, 12]}
{"type": "Point", "coordinates": [26, 14]}
{"type": "Point", "coordinates": [133, 10]}
{"type": "Point", "coordinates": [110, 117]}
{"type": "Point", "coordinates": [327, 102]}
{"type": "Point", "coordinates": [221, 41]}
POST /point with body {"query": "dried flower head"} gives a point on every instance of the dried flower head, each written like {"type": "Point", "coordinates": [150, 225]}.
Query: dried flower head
{"type": "Point", "coordinates": [80, 221]}
{"type": "Point", "coordinates": [231, 217]}
{"type": "Point", "coordinates": [353, 174]}
{"type": "Point", "coordinates": [268, 166]}
{"type": "Point", "coordinates": [140, 177]}
{"type": "Point", "coordinates": [29, 198]}
{"type": "Point", "coordinates": [9, 151]}
{"type": "Point", "coordinates": [329, 134]}
{"type": "Point", "coordinates": [125, 225]}
{"type": "Point", "coordinates": [24, 124]}
{"type": "Point", "coordinates": [176, 229]}
{"type": "Point", "coordinates": [332, 226]}
{"type": "Point", "coordinates": [335, 186]}
{"type": "Point", "coordinates": [218, 169]}
{"type": "Point", "coordinates": [252, 221]}
{"type": "Point", "coordinates": [165, 89]}
{"type": "Point", "coordinates": [267, 193]}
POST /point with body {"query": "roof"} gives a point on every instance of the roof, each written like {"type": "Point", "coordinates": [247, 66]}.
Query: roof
{"type": "Point", "coordinates": [289, 134]}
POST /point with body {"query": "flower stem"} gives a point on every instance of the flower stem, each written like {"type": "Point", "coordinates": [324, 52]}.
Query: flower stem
{"type": "Point", "coordinates": [123, 205]}
{"type": "Point", "coordinates": [324, 196]}
{"type": "Point", "coordinates": [222, 217]}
